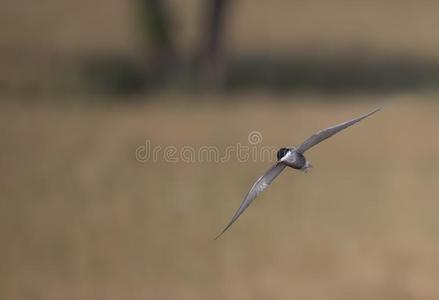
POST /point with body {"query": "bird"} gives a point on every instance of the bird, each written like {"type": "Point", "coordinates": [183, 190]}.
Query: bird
{"type": "Point", "coordinates": [293, 158]}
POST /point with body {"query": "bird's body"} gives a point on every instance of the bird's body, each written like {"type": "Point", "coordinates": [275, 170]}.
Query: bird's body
{"type": "Point", "coordinates": [293, 159]}
{"type": "Point", "coordinates": [290, 157]}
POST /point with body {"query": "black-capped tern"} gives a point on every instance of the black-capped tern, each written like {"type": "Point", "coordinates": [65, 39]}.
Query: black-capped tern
{"type": "Point", "coordinates": [290, 157]}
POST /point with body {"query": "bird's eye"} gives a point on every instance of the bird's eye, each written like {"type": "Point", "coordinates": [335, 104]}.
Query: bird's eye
{"type": "Point", "coordinates": [281, 153]}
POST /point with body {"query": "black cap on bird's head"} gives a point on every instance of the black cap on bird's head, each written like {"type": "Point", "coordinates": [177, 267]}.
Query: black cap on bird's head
{"type": "Point", "coordinates": [281, 153]}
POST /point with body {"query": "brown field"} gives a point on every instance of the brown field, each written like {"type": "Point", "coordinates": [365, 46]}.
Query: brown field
{"type": "Point", "coordinates": [81, 218]}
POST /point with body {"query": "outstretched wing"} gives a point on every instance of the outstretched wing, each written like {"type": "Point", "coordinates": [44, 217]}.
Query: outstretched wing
{"type": "Point", "coordinates": [256, 189]}
{"type": "Point", "coordinates": [328, 132]}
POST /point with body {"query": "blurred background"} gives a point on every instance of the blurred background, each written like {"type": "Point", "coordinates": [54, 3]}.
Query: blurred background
{"type": "Point", "coordinates": [85, 84]}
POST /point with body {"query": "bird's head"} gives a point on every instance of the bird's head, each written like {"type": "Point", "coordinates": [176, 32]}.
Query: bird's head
{"type": "Point", "coordinates": [281, 153]}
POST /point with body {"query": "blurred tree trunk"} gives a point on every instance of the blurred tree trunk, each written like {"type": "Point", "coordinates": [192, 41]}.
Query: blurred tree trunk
{"type": "Point", "coordinates": [162, 63]}
{"type": "Point", "coordinates": [156, 28]}
{"type": "Point", "coordinates": [213, 68]}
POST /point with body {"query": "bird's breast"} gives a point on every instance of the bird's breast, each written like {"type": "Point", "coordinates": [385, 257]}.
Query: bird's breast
{"type": "Point", "coordinates": [295, 160]}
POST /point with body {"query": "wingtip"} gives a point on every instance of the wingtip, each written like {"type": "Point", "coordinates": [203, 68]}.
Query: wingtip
{"type": "Point", "coordinates": [225, 229]}
{"type": "Point", "coordinates": [219, 235]}
{"type": "Point", "coordinates": [372, 112]}
{"type": "Point", "coordinates": [376, 110]}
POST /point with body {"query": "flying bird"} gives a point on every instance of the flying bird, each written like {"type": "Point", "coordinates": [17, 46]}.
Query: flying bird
{"type": "Point", "coordinates": [293, 158]}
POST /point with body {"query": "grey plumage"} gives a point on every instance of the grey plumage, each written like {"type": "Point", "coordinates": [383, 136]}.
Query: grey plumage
{"type": "Point", "coordinates": [328, 132]}
{"type": "Point", "coordinates": [261, 184]}
{"type": "Point", "coordinates": [293, 158]}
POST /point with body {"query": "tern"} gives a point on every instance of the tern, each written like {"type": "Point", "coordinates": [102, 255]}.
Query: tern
{"type": "Point", "coordinates": [293, 158]}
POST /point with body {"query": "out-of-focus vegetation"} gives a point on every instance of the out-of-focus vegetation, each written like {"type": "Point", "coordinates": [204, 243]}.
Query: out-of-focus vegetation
{"type": "Point", "coordinates": [82, 218]}
{"type": "Point", "coordinates": [127, 47]}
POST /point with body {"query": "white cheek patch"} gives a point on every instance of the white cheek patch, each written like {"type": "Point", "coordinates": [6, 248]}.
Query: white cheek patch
{"type": "Point", "coordinates": [289, 157]}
